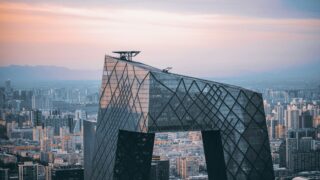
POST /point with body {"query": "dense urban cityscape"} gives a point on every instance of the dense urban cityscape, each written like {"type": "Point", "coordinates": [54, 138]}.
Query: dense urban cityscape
{"type": "Point", "coordinates": [159, 90]}
{"type": "Point", "coordinates": [42, 132]}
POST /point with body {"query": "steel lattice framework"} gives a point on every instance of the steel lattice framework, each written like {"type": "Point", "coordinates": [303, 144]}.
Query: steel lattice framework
{"type": "Point", "coordinates": [140, 98]}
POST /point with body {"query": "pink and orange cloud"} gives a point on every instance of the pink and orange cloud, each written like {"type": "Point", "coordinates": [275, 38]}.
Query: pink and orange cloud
{"type": "Point", "coordinates": [201, 44]}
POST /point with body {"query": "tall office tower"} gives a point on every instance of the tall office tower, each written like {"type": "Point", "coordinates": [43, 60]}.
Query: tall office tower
{"type": "Point", "coordinates": [36, 118]}
{"type": "Point", "coordinates": [67, 144]}
{"type": "Point", "coordinates": [80, 116]}
{"type": "Point", "coordinates": [316, 121]}
{"type": "Point", "coordinates": [57, 121]}
{"type": "Point", "coordinates": [33, 101]}
{"type": "Point", "coordinates": [138, 100]}
{"type": "Point", "coordinates": [37, 133]}
{"type": "Point", "coordinates": [41, 101]}
{"type": "Point", "coordinates": [305, 120]}
{"type": "Point", "coordinates": [47, 157]}
{"type": "Point", "coordinates": [159, 169]}
{"type": "Point", "coordinates": [186, 167]}
{"type": "Point", "coordinates": [2, 98]}
{"type": "Point", "coordinates": [305, 144]}
{"type": "Point", "coordinates": [279, 109]}
{"type": "Point", "coordinates": [8, 88]}
{"type": "Point", "coordinates": [280, 131]}
{"type": "Point", "coordinates": [314, 110]}
{"type": "Point", "coordinates": [272, 128]}
{"type": "Point", "coordinates": [303, 158]}
{"type": "Point", "coordinates": [267, 107]}
{"type": "Point", "coordinates": [28, 171]}
{"type": "Point", "coordinates": [89, 131]}
{"type": "Point", "coordinates": [298, 102]}
{"type": "Point", "coordinates": [195, 136]}
{"type": "Point", "coordinates": [67, 172]}
{"type": "Point", "coordinates": [4, 174]}
{"type": "Point", "coordinates": [292, 117]}
{"type": "Point", "coordinates": [291, 146]}
{"type": "Point", "coordinates": [46, 140]}
{"type": "Point", "coordinates": [305, 161]}
{"type": "Point", "coordinates": [282, 154]}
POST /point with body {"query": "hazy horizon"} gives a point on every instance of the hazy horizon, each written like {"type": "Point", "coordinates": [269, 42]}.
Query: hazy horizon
{"type": "Point", "coordinates": [55, 76]}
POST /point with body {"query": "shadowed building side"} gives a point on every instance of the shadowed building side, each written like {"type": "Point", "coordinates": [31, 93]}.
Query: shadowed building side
{"type": "Point", "coordinates": [89, 133]}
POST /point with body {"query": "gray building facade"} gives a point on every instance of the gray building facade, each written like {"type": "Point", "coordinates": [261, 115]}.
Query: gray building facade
{"type": "Point", "coordinates": [89, 132]}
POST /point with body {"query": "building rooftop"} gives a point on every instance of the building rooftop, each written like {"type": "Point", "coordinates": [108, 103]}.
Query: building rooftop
{"type": "Point", "coordinates": [157, 70]}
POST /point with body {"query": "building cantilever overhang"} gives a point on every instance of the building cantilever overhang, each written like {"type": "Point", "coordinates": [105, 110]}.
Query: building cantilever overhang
{"type": "Point", "coordinates": [157, 70]}
{"type": "Point", "coordinates": [139, 98]}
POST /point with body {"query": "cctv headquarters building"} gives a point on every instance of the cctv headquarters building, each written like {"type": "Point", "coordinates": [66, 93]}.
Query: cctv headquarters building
{"type": "Point", "coordinates": [138, 100]}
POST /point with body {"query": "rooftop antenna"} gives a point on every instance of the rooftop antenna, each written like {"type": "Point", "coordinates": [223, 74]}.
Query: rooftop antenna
{"type": "Point", "coordinates": [126, 55]}
{"type": "Point", "coordinates": [167, 69]}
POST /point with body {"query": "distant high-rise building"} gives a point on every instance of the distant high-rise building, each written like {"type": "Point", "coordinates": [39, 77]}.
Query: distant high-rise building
{"type": "Point", "coordinates": [33, 101]}
{"type": "Point", "coordinates": [57, 121]}
{"type": "Point", "coordinates": [4, 174]}
{"type": "Point", "coordinates": [305, 144]}
{"type": "Point", "coordinates": [195, 136]}
{"type": "Point", "coordinates": [46, 141]}
{"type": "Point", "coordinates": [89, 132]}
{"type": "Point", "coordinates": [282, 154]}
{"type": "Point", "coordinates": [47, 157]}
{"type": "Point", "coordinates": [300, 153]}
{"type": "Point", "coordinates": [305, 120]}
{"type": "Point", "coordinates": [80, 116]}
{"type": "Point", "coordinates": [314, 110]}
{"type": "Point", "coordinates": [2, 98]}
{"type": "Point", "coordinates": [299, 133]}
{"type": "Point", "coordinates": [37, 133]}
{"type": "Point", "coordinates": [280, 131]}
{"type": "Point", "coordinates": [292, 117]}
{"type": "Point", "coordinates": [279, 109]}
{"type": "Point", "coordinates": [272, 128]}
{"type": "Point", "coordinates": [67, 173]}
{"type": "Point", "coordinates": [36, 118]}
{"type": "Point", "coordinates": [267, 107]}
{"type": "Point", "coordinates": [304, 161]}
{"type": "Point", "coordinates": [42, 102]}
{"type": "Point", "coordinates": [28, 171]}
{"type": "Point", "coordinates": [187, 166]}
{"type": "Point", "coordinates": [159, 169]}
{"type": "Point", "coordinates": [316, 121]}
{"type": "Point", "coordinates": [291, 146]}
{"type": "Point", "coordinates": [8, 89]}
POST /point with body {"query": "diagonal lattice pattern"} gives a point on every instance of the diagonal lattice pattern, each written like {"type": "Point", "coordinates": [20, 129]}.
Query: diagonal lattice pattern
{"type": "Point", "coordinates": [140, 98]}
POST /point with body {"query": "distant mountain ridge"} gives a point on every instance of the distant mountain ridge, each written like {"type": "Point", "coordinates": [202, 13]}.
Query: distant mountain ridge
{"type": "Point", "coordinates": [46, 73]}
{"type": "Point", "coordinates": [296, 76]}
{"type": "Point", "coordinates": [308, 73]}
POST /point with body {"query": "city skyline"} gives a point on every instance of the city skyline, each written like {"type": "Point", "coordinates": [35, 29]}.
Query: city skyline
{"type": "Point", "coordinates": [220, 89]}
{"type": "Point", "coordinates": [42, 125]}
{"type": "Point", "coordinates": [244, 37]}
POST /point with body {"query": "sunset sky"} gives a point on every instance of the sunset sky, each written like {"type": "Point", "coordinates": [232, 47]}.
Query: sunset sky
{"type": "Point", "coordinates": [196, 37]}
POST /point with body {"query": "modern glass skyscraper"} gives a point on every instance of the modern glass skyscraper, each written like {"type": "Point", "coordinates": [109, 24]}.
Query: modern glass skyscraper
{"type": "Point", "coordinates": [138, 100]}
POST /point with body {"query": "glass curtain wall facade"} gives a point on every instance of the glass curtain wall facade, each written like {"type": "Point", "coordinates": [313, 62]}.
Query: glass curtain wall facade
{"type": "Point", "coordinates": [140, 98]}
